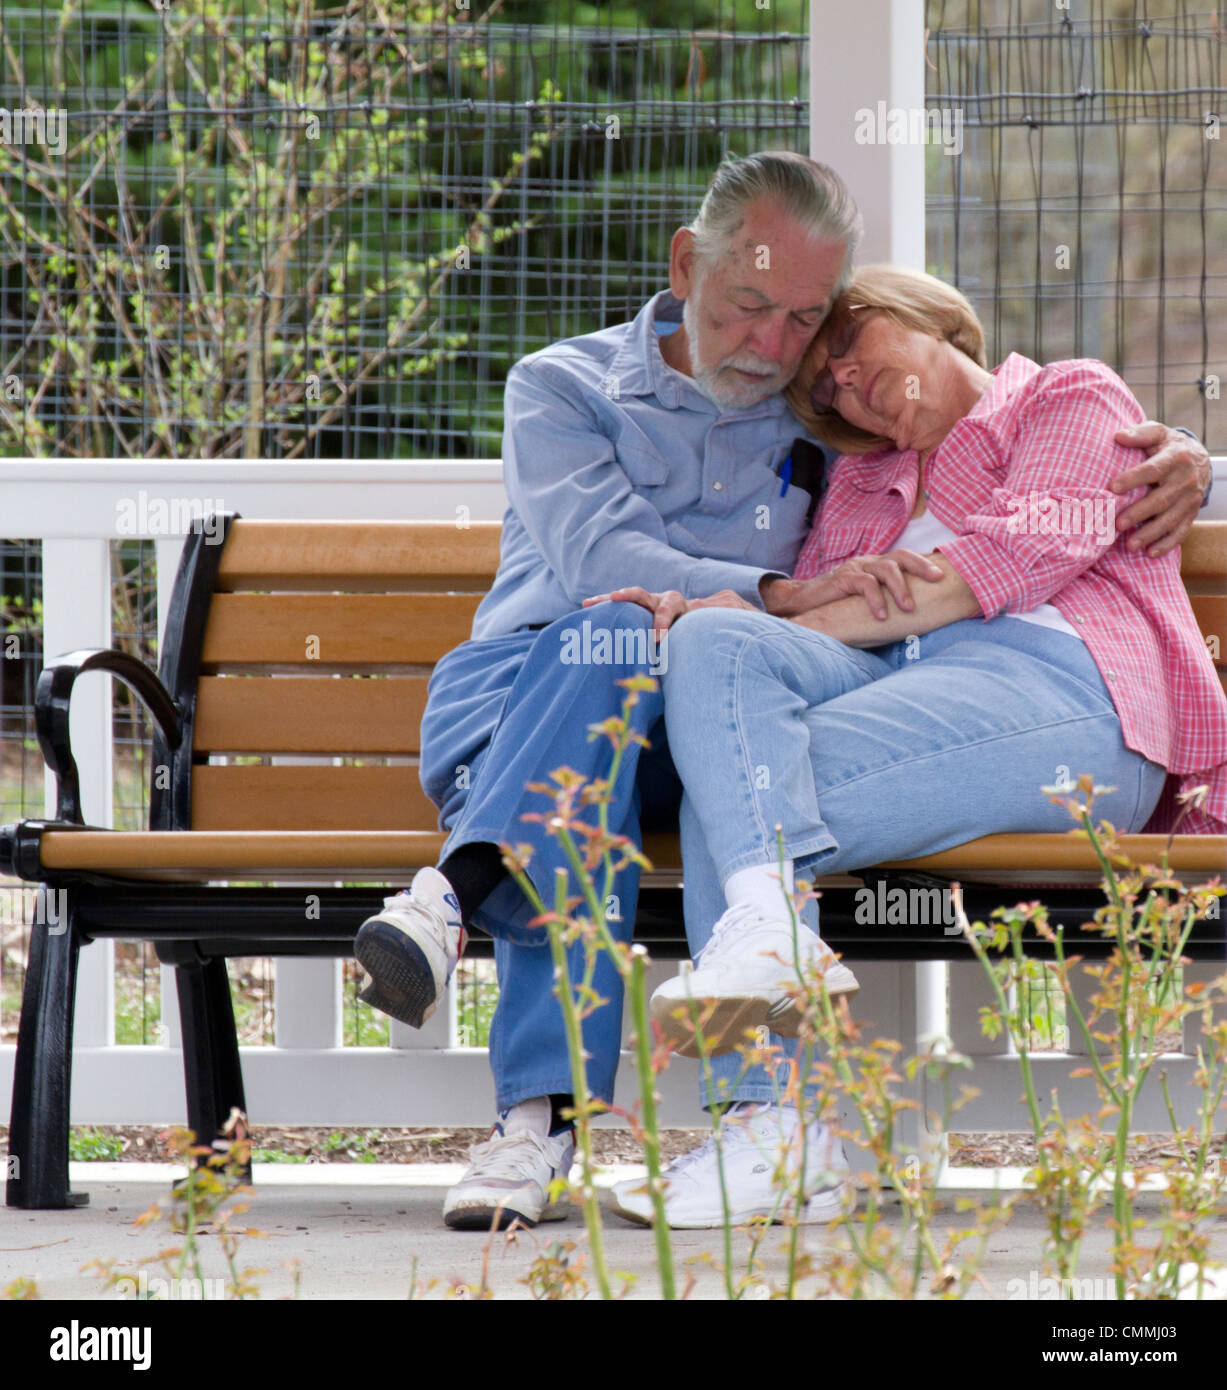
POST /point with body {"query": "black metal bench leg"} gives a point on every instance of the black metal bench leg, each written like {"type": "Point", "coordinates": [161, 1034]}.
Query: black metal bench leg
{"type": "Point", "coordinates": [38, 1134]}
{"type": "Point", "coordinates": [210, 1048]}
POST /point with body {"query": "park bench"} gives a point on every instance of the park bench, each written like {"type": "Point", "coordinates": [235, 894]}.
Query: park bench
{"type": "Point", "coordinates": [266, 633]}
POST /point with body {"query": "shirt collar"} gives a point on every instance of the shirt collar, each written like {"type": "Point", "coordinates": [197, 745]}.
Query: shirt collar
{"type": "Point", "coordinates": [1008, 376]}
{"type": "Point", "coordinates": [888, 468]}
{"type": "Point", "coordinates": [640, 369]}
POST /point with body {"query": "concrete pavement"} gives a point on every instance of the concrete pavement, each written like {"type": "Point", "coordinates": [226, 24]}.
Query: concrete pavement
{"type": "Point", "coordinates": [374, 1231]}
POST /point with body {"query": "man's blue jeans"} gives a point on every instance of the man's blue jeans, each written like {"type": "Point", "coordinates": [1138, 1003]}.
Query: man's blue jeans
{"type": "Point", "coordinates": [506, 711]}
{"type": "Point", "coordinates": [865, 755]}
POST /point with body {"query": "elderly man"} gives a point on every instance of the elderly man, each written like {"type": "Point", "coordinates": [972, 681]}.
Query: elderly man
{"type": "Point", "coordinates": [658, 451]}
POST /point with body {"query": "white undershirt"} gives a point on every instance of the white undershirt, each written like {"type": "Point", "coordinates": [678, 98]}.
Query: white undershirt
{"type": "Point", "coordinates": [924, 533]}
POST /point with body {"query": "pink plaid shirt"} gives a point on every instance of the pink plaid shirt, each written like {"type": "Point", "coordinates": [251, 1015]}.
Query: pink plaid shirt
{"type": "Point", "coordinates": [1022, 481]}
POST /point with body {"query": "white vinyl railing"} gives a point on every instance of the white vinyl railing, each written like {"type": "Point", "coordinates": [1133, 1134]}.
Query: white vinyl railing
{"type": "Point", "coordinates": [75, 508]}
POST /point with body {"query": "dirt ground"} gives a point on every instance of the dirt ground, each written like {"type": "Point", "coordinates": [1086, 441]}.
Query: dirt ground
{"type": "Point", "coordinates": [303, 1144]}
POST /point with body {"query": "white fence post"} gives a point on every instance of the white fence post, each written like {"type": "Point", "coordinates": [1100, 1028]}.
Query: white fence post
{"type": "Point", "coordinates": [77, 613]}
{"type": "Point", "coordinates": [167, 551]}
{"type": "Point", "coordinates": [307, 1001]}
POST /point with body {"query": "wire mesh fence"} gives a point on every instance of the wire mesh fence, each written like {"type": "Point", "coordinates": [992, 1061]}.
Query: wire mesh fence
{"type": "Point", "coordinates": [327, 231]}
{"type": "Point", "coordinates": [1086, 215]}
{"type": "Point", "coordinates": [312, 230]}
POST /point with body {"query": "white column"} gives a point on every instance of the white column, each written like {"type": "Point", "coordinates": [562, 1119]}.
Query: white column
{"type": "Point", "coordinates": [167, 552]}
{"type": "Point", "coordinates": [77, 613]}
{"type": "Point", "coordinates": [869, 58]}
{"type": "Point", "coordinates": [437, 1034]}
{"type": "Point", "coordinates": [308, 1001]}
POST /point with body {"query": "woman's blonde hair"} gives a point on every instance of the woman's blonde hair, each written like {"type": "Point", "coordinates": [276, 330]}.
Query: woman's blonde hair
{"type": "Point", "coordinates": [913, 299]}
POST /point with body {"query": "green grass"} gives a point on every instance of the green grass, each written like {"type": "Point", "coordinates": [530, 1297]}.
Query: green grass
{"type": "Point", "coordinates": [354, 1144]}
{"type": "Point", "coordinates": [361, 1026]}
{"type": "Point", "coordinates": [476, 1000]}
{"type": "Point", "coordinates": [138, 1015]}
{"type": "Point", "coordinates": [92, 1146]}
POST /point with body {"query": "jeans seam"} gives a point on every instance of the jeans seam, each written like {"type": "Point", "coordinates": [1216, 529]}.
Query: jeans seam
{"type": "Point", "coordinates": [978, 743]}
{"type": "Point", "coordinates": [813, 845]}
{"type": "Point", "coordinates": [551, 1086]}
{"type": "Point", "coordinates": [755, 638]}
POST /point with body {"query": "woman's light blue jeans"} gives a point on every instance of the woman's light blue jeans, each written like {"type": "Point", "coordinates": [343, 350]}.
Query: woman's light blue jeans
{"type": "Point", "coordinates": [866, 755]}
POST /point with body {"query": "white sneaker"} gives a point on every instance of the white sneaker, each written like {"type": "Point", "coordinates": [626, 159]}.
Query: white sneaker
{"type": "Point", "coordinates": [742, 979]}
{"type": "Point", "coordinates": [508, 1179]}
{"type": "Point", "coordinates": [411, 948]}
{"type": "Point", "coordinates": [753, 1145]}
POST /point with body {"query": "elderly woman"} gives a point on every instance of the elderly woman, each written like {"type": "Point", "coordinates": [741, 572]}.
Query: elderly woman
{"type": "Point", "coordinates": [1036, 642]}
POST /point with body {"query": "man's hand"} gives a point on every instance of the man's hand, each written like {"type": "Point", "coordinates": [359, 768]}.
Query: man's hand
{"type": "Point", "coordinates": [1177, 471]}
{"type": "Point", "coordinates": [670, 605]}
{"type": "Point", "coordinates": [664, 607]}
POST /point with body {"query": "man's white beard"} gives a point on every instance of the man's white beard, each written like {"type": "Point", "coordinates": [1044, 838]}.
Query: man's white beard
{"type": "Point", "coordinates": [725, 388]}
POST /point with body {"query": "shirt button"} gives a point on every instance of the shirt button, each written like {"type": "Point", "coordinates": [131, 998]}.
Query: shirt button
{"type": "Point", "coordinates": [1111, 675]}
{"type": "Point", "coordinates": [1079, 620]}
{"type": "Point", "coordinates": [718, 486]}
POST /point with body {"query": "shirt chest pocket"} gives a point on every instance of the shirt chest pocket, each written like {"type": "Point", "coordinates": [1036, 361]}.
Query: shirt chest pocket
{"type": "Point", "coordinates": [639, 458]}
{"type": "Point", "coordinates": [839, 543]}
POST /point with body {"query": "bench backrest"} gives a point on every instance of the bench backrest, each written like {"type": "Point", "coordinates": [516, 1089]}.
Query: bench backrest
{"type": "Point", "coordinates": [315, 640]}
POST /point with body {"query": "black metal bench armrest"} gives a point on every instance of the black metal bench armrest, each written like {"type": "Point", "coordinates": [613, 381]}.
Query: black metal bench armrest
{"type": "Point", "coordinates": [51, 707]}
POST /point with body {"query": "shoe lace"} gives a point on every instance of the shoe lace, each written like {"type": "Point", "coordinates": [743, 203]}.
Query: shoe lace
{"type": "Point", "coordinates": [734, 922]}
{"type": "Point", "coordinates": [512, 1155]}
{"type": "Point", "coordinates": [732, 1135]}
{"type": "Point", "coordinates": [438, 927]}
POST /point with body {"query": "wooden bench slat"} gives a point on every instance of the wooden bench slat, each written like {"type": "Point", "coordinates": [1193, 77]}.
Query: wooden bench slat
{"type": "Point", "coordinates": [1203, 556]}
{"type": "Point", "coordinates": [1210, 610]}
{"type": "Point", "coordinates": [311, 797]}
{"type": "Point", "coordinates": [387, 556]}
{"type": "Point", "coordinates": [309, 714]}
{"type": "Point", "coordinates": [274, 631]}
{"type": "Point", "coordinates": [319, 555]}
{"type": "Point", "coordinates": [196, 855]}
{"type": "Point", "coordinates": [1037, 851]}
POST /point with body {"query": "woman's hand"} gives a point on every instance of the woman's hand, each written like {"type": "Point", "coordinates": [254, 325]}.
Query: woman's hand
{"type": "Point", "coordinates": [666, 608]}
{"type": "Point", "coordinates": [869, 575]}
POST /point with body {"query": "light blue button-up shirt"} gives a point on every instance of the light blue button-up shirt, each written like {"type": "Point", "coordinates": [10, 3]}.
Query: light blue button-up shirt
{"type": "Point", "coordinates": [618, 471]}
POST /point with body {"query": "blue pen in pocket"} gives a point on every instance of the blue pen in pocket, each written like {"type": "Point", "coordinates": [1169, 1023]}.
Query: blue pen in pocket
{"type": "Point", "coordinates": [786, 474]}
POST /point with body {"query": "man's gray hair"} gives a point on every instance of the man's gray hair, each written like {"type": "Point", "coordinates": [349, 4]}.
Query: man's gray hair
{"type": "Point", "coordinates": [812, 194]}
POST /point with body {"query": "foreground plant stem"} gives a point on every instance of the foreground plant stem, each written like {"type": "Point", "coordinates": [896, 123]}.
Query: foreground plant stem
{"type": "Point", "coordinates": [579, 1074]}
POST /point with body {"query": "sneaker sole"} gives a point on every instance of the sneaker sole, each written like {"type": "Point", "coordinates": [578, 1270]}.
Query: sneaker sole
{"type": "Point", "coordinates": [820, 1210]}
{"type": "Point", "coordinates": [402, 982]}
{"type": "Point", "coordinates": [485, 1217]}
{"type": "Point", "coordinates": [730, 1016]}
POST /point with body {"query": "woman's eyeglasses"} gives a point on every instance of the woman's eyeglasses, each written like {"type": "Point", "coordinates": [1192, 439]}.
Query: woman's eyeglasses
{"type": "Point", "coordinates": [840, 332]}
